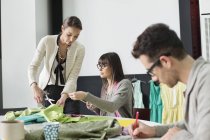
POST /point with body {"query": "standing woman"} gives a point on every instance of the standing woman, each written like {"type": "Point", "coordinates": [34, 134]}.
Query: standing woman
{"type": "Point", "coordinates": [116, 93]}
{"type": "Point", "coordinates": [62, 56]}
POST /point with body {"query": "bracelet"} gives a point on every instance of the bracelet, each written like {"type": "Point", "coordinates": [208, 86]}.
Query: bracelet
{"type": "Point", "coordinates": [33, 83]}
{"type": "Point", "coordinates": [65, 94]}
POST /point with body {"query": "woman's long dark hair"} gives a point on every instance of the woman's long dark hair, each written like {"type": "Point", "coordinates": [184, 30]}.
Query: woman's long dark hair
{"type": "Point", "coordinates": [114, 62]}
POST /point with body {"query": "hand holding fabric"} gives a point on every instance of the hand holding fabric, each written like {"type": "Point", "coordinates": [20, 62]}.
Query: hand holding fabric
{"type": "Point", "coordinates": [90, 106]}
{"type": "Point", "coordinates": [79, 95]}
{"type": "Point", "coordinates": [62, 100]}
{"type": "Point", "coordinates": [93, 108]}
{"type": "Point", "coordinates": [38, 93]}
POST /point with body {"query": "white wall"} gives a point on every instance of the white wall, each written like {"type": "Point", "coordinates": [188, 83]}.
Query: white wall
{"type": "Point", "coordinates": [204, 6]}
{"type": "Point", "coordinates": [19, 35]}
{"type": "Point", "coordinates": [42, 19]}
{"type": "Point", "coordinates": [113, 25]}
{"type": "Point", "coordinates": [109, 25]}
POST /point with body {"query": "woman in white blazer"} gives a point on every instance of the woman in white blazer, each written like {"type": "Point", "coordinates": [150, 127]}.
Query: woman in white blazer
{"type": "Point", "coordinates": [62, 58]}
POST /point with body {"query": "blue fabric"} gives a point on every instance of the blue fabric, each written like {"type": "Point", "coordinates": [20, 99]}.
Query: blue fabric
{"type": "Point", "coordinates": [35, 118]}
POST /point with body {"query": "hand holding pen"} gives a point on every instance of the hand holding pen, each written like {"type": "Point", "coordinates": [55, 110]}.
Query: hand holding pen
{"type": "Point", "coordinates": [140, 130]}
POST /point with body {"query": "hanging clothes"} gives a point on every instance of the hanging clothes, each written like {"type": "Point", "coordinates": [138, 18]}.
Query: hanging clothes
{"type": "Point", "coordinates": [172, 99]}
{"type": "Point", "coordinates": [155, 103]}
{"type": "Point", "coordinates": [137, 94]}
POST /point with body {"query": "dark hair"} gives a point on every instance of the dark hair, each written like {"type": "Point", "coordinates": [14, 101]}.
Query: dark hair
{"type": "Point", "coordinates": [114, 62]}
{"type": "Point", "coordinates": [72, 21]}
{"type": "Point", "coordinates": [158, 40]}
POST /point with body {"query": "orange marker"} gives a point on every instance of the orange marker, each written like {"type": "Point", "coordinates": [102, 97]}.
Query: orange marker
{"type": "Point", "coordinates": [136, 122]}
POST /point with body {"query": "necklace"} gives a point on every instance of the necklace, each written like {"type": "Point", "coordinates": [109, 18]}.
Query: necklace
{"type": "Point", "coordinates": [59, 55]}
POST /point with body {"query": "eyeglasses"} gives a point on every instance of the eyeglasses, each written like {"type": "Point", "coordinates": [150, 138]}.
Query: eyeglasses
{"type": "Point", "coordinates": [156, 63]}
{"type": "Point", "coordinates": [101, 65]}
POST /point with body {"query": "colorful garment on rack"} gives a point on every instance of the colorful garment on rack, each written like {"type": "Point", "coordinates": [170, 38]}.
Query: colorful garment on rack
{"type": "Point", "coordinates": [138, 96]}
{"type": "Point", "coordinates": [155, 103]}
{"type": "Point", "coordinates": [172, 99]}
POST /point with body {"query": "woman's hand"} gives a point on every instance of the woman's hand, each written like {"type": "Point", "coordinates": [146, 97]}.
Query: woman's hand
{"type": "Point", "coordinates": [38, 93]}
{"type": "Point", "coordinates": [61, 101]}
{"type": "Point", "coordinates": [90, 106]}
{"type": "Point", "coordinates": [79, 95]}
{"type": "Point", "coordinates": [141, 131]}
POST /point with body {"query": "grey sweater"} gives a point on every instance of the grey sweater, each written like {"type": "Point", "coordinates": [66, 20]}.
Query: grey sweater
{"type": "Point", "coordinates": [120, 100]}
{"type": "Point", "coordinates": [196, 124]}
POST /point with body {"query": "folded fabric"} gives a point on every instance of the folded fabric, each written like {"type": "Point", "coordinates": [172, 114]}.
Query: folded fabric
{"type": "Point", "coordinates": [53, 113]}
{"type": "Point", "coordinates": [11, 115]}
{"type": "Point", "coordinates": [87, 130]}
{"type": "Point", "coordinates": [30, 119]}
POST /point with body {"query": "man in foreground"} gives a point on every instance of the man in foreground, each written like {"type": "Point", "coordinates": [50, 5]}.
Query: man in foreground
{"type": "Point", "coordinates": [163, 55]}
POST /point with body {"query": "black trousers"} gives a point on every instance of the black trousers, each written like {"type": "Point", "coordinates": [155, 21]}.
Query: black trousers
{"type": "Point", "coordinates": [70, 107]}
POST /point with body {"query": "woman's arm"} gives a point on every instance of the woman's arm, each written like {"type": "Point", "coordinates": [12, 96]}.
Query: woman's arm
{"type": "Point", "coordinates": [33, 69]}
{"type": "Point", "coordinates": [120, 97]}
{"type": "Point", "coordinates": [36, 61]}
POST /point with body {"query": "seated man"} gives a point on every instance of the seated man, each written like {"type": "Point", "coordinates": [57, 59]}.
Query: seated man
{"type": "Point", "coordinates": [163, 55]}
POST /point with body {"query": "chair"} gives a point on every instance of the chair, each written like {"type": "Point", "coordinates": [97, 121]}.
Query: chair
{"type": "Point", "coordinates": [144, 113]}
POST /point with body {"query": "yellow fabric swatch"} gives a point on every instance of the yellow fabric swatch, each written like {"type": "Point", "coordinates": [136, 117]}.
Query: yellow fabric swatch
{"type": "Point", "coordinates": [125, 122]}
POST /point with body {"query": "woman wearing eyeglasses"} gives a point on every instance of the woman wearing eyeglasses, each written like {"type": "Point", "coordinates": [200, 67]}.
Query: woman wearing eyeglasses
{"type": "Point", "coordinates": [116, 93]}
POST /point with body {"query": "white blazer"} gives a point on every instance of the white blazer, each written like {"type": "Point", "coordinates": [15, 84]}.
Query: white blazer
{"type": "Point", "coordinates": [47, 50]}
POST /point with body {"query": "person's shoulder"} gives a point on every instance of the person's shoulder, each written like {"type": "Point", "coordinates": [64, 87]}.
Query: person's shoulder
{"type": "Point", "coordinates": [204, 66]}
{"type": "Point", "coordinates": [205, 71]}
{"type": "Point", "coordinates": [49, 37]}
{"type": "Point", "coordinates": [125, 81]}
{"type": "Point", "coordinates": [52, 37]}
{"type": "Point", "coordinates": [79, 45]}
{"type": "Point", "coordinates": [201, 71]}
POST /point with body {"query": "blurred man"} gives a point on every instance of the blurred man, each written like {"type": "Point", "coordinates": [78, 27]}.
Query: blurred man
{"type": "Point", "coordinates": [163, 55]}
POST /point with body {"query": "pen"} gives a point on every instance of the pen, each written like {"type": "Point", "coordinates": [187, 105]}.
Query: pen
{"type": "Point", "coordinates": [136, 122]}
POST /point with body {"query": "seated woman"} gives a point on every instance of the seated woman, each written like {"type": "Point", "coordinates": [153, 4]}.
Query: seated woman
{"type": "Point", "coordinates": [116, 93]}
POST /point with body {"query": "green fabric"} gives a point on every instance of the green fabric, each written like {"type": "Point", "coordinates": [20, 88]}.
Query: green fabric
{"type": "Point", "coordinates": [83, 127]}
{"type": "Point", "coordinates": [156, 106]}
{"type": "Point", "coordinates": [87, 130]}
{"type": "Point", "coordinates": [11, 115]}
{"type": "Point", "coordinates": [94, 118]}
{"type": "Point", "coordinates": [53, 113]}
